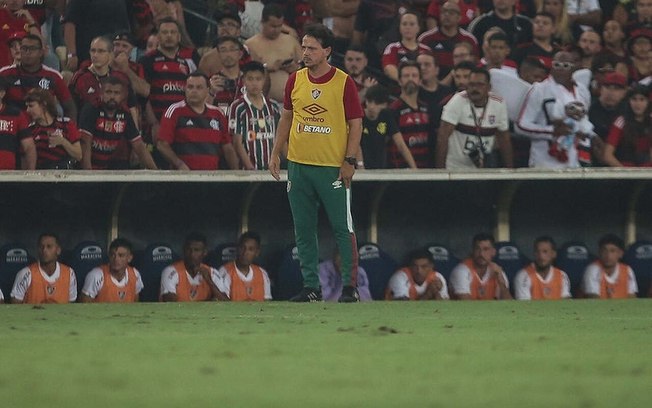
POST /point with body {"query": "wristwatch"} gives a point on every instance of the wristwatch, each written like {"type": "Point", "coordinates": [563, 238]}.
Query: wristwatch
{"type": "Point", "coordinates": [351, 160]}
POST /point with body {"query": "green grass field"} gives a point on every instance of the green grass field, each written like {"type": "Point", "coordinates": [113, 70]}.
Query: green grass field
{"type": "Point", "coordinates": [423, 354]}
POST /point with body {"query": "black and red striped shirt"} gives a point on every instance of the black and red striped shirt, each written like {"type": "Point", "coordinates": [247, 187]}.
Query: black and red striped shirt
{"type": "Point", "coordinates": [414, 125]}
{"type": "Point", "coordinates": [107, 131]}
{"type": "Point", "coordinates": [20, 82]}
{"type": "Point", "coordinates": [14, 127]}
{"type": "Point", "coordinates": [50, 157]}
{"type": "Point", "coordinates": [195, 137]}
{"type": "Point", "coordinates": [86, 87]}
{"type": "Point", "coordinates": [167, 77]}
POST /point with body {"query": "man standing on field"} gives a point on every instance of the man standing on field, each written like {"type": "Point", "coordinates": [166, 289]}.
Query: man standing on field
{"type": "Point", "coordinates": [322, 124]}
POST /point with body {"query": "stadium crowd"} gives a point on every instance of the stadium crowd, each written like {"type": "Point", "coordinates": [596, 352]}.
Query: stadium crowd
{"type": "Point", "coordinates": [482, 275]}
{"type": "Point", "coordinates": [450, 84]}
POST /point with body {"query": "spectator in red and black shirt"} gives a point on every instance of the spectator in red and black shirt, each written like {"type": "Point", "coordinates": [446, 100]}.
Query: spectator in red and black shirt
{"type": "Point", "coordinates": [104, 127]}
{"type": "Point", "coordinates": [541, 47]}
{"type": "Point", "coordinates": [413, 120]}
{"type": "Point", "coordinates": [166, 70]}
{"type": "Point", "coordinates": [442, 39]}
{"type": "Point", "coordinates": [194, 133]}
{"type": "Point", "coordinates": [123, 45]}
{"type": "Point", "coordinates": [56, 138]}
{"type": "Point", "coordinates": [14, 131]}
{"type": "Point", "coordinates": [86, 84]}
{"type": "Point", "coordinates": [31, 74]}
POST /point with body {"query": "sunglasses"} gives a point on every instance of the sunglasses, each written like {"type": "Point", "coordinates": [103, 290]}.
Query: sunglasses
{"type": "Point", "coordinates": [562, 65]}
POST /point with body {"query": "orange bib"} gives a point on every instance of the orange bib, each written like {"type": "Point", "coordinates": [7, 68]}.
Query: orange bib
{"type": "Point", "coordinates": [246, 291]}
{"type": "Point", "coordinates": [545, 290]}
{"type": "Point", "coordinates": [112, 293]}
{"type": "Point", "coordinates": [42, 291]}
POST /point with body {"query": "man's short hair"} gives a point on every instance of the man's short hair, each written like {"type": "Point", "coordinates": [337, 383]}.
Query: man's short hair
{"type": "Point", "coordinates": [49, 234]}
{"type": "Point", "coordinates": [195, 237]}
{"type": "Point", "coordinates": [121, 243]}
{"type": "Point", "coordinates": [406, 64]}
{"type": "Point", "coordinates": [199, 74]}
{"type": "Point", "coordinates": [464, 65]}
{"type": "Point", "coordinates": [321, 33]}
{"type": "Point", "coordinates": [420, 254]}
{"type": "Point", "coordinates": [482, 71]}
{"type": "Point", "coordinates": [168, 20]}
{"type": "Point", "coordinates": [223, 15]}
{"type": "Point", "coordinates": [112, 80]}
{"type": "Point", "coordinates": [253, 235]}
{"type": "Point", "coordinates": [483, 236]}
{"type": "Point", "coordinates": [498, 36]}
{"type": "Point", "coordinates": [108, 41]}
{"type": "Point", "coordinates": [272, 10]}
{"type": "Point", "coordinates": [253, 66]}
{"type": "Point", "coordinates": [34, 37]}
{"type": "Point", "coordinates": [545, 239]}
{"type": "Point", "coordinates": [377, 94]}
{"type": "Point", "coordinates": [612, 239]}
{"type": "Point", "coordinates": [546, 14]}
{"type": "Point", "coordinates": [356, 48]}
{"type": "Point", "coordinates": [228, 38]}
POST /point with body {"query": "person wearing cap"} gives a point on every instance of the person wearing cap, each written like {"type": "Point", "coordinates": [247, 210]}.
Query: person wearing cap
{"type": "Point", "coordinates": [608, 278]}
{"type": "Point", "coordinates": [228, 25]}
{"type": "Point", "coordinates": [629, 142]}
{"type": "Point", "coordinates": [13, 42]}
{"type": "Point", "coordinates": [543, 30]}
{"type": "Point", "coordinates": [14, 18]}
{"type": "Point", "coordinates": [609, 105]}
{"type": "Point", "coordinates": [123, 45]}
{"type": "Point", "coordinates": [639, 46]}
{"type": "Point", "coordinates": [14, 131]}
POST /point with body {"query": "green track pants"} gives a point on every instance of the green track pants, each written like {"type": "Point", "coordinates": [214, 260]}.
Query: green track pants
{"type": "Point", "coordinates": [308, 186]}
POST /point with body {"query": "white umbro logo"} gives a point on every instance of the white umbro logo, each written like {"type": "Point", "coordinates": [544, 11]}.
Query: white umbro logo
{"type": "Point", "coordinates": [337, 184]}
{"type": "Point", "coordinates": [190, 123]}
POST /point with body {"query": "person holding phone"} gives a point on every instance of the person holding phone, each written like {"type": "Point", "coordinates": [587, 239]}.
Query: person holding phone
{"type": "Point", "coordinates": [279, 52]}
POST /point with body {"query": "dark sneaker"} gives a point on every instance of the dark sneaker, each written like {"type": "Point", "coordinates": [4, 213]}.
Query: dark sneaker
{"type": "Point", "coordinates": [349, 295]}
{"type": "Point", "coordinates": [307, 295]}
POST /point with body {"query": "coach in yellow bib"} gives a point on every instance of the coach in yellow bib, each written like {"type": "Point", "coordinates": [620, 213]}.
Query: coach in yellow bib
{"type": "Point", "coordinates": [322, 123]}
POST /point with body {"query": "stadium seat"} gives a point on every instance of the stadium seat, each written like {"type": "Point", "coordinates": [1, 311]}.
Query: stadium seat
{"type": "Point", "coordinates": [289, 280]}
{"type": "Point", "coordinates": [84, 257]}
{"type": "Point", "coordinates": [13, 257]}
{"type": "Point", "coordinates": [511, 259]}
{"type": "Point", "coordinates": [151, 263]}
{"type": "Point", "coordinates": [639, 257]}
{"type": "Point", "coordinates": [222, 254]}
{"type": "Point", "coordinates": [379, 267]}
{"type": "Point", "coordinates": [572, 258]}
{"type": "Point", "coordinates": [443, 258]}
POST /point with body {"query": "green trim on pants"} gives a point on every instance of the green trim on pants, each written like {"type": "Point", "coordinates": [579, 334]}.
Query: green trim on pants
{"type": "Point", "coordinates": [308, 186]}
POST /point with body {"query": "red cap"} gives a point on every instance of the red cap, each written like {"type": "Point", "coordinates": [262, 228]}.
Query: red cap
{"type": "Point", "coordinates": [17, 36]}
{"type": "Point", "coordinates": [615, 78]}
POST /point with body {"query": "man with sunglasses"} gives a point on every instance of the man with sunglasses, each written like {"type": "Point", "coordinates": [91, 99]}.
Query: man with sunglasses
{"type": "Point", "coordinates": [538, 122]}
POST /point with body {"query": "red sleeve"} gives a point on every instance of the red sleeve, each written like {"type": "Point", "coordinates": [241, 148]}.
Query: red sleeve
{"type": "Point", "coordinates": [61, 90]}
{"type": "Point", "coordinates": [22, 122]}
{"type": "Point", "coordinates": [352, 106]}
{"type": "Point", "coordinates": [390, 56]}
{"type": "Point", "coordinates": [166, 128]}
{"type": "Point", "coordinates": [72, 133]}
{"type": "Point", "coordinates": [616, 132]}
{"type": "Point", "coordinates": [433, 9]}
{"type": "Point", "coordinates": [226, 134]}
{"type": "Point", "coordinates": [289, 86]}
